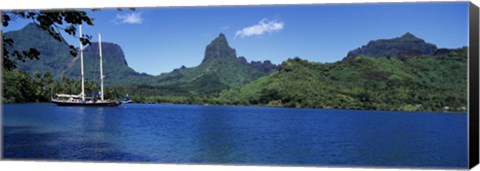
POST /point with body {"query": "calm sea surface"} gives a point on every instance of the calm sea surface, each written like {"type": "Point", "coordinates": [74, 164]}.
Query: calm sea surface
{"type": "Point", "coordinates": [195, 134]}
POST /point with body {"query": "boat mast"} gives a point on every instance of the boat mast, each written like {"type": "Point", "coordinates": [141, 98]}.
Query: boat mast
{"type": "Point", "coordinates": [81, 64]}
{"type": "Point", "coordinates": [101, 67]}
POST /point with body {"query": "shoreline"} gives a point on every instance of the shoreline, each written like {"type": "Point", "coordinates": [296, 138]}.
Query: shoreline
{"type": "Point", "coordinates": [267, 106]}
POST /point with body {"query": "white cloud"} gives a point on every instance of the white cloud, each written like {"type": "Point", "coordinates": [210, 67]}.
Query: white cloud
{"type": "Point", "coordinates": [132, 18]}
{"type": "Point", "coordinates": [262, 27]}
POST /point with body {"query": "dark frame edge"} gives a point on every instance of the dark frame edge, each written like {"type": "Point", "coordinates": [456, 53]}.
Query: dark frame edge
{"type": "Point", "coordinates": [473, 107]}
{"type": "Point", "coordinates": [1, 86]}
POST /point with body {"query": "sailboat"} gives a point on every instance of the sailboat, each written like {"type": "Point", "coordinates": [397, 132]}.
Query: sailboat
{"type": "Point", "coordinates": [81, 99]}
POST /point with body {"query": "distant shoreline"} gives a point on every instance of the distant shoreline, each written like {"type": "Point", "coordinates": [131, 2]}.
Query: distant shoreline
{"type": "Point", "coordinates": [267, 106]}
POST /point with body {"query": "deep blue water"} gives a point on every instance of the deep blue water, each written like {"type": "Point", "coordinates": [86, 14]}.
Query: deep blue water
{"type": "Point", "coordinates": [195, 134]}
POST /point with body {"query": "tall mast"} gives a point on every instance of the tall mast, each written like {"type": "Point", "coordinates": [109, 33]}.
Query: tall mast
{"type": "Point", "coordinates": [101, 63]}
{"type": "Point", "coordinates": [81, 64]}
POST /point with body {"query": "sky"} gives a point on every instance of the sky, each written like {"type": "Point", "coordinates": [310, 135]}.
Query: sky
{"type": "Point", "coordinates": [158, 40]}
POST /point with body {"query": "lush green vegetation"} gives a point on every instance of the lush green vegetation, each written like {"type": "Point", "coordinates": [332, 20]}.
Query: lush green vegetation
{"type": "Point", "coordinates": [209, 77]}
{"type": "Point", "coordinates": [423, 83]}
{"type": "Point", "coordinates": [19, 86]}
{"type": "Point", "coordinates": [220, 69]}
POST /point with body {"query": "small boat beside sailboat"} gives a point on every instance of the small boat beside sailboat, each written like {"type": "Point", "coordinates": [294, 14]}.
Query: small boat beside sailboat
{"type": "Point", "coordinates": [81, 99]}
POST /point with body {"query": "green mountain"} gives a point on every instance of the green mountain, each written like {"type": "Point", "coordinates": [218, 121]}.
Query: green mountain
{"type": "Point", "coordinates": [54, 55]}
{"type": "Point", "coordinates": [56, 59]}
{"type": "Point", "coordinates": [115, 67]}
{"type": "Point", "coordinates": [422, 83]}
{"type": "Point", "coordinates": [220, 69]}
{"type": "Point", "coordinates": [403, 47]}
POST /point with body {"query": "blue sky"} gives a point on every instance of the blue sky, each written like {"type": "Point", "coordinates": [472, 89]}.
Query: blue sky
{"type": "Point", "coordinates": [157, 40]}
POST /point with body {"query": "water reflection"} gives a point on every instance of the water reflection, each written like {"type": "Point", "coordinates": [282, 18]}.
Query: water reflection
{"type": "Point", "coordinates": [214, 140]}
{"type": "Point", "coordinates": [235, 135]}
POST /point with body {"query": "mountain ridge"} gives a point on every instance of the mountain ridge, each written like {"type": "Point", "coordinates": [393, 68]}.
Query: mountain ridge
{"type": "Point", "coordinates": [219, 69]}
{"type": "Point", "coordinates": [219, 65]}
{"type": "Point", "coordinates": [403, 47]}
{"type": "Point", "coordinates": [55, 56]}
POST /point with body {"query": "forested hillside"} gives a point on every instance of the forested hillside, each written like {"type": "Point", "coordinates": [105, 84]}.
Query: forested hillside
{"type": "Point", "coordinates": [422, 83]}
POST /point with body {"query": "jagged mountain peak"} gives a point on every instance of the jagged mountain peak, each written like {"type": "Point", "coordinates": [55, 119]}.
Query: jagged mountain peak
{"type": "Point", "coordinates": [221, 37]}
{"type": "Point", "coordinates": [219, 49]}
{"type": "Point", "coordinates": [408, 35]}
